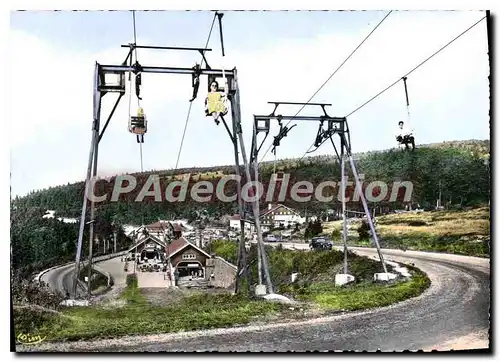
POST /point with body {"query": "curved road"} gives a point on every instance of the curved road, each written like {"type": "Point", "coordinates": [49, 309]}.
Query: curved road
{"type": "Point", "coordinates": [61, 278]}
{"type": "Point", "coordinates": [453, 309]}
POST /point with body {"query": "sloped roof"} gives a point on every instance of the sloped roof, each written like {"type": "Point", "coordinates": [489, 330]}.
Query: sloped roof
{"type": "Point", "coordinates": [179, 244]}
{"type": "Point", "coordinates": [164, 225]}
{"type": "Point", "coordinates": [144, 240]}
{"type": "Point", "coordinates": [158, 225]}
{"type": "Point", "coordinates": [275, 207]}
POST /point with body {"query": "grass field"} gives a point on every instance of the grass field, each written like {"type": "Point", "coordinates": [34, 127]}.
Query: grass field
{"type": "Point", "coordinates": [314, 292]}
{"type": "Point", "coordinates": [460, 232]}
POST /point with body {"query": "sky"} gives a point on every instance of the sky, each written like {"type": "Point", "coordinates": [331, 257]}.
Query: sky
{"type": "Point", "coordinates": [280, 56]}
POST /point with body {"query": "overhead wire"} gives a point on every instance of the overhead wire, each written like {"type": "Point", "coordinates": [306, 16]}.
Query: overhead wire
{"type": "Point", "coordinates": [130, 95]}
{"type": "Point", "coordinates": [406, 75]}
{"type": "Point", "coordinates": [135, 49]}
{"type": "Point", "coordinates": [331, 76]}
{"type": "Point", "coordinates": [418, 66]}
{"type": "Point", "coordinates": [191, 103]}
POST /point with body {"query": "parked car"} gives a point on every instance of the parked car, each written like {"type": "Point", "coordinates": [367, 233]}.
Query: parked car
{"type": "Point", "coordinates": [272, 238]}
{"type": "Point", "coordinates": [320, 243]}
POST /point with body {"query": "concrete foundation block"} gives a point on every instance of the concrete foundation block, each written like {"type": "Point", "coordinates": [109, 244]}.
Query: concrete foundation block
{"type": "Point", "coordinates": [342, 279]}
{"type": "Point", "coordinates": [391, 263]}
{"type": "Point", "coordinates": [403, 271]}
{"type": "Point", "coordinates": [384, 277]}
{"type": "Point", "coordinates": [278, 298]}
{"type": "Point", "coordinates": [75, 303]}
{"type": "Point", "coordinates": [260, 289]}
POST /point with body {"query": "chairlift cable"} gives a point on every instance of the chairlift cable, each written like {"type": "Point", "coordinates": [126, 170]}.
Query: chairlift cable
{"type": "Point", "coordinates": [135, 50]}
{"type": "Point", "coordinates": [191, 103]}
{"type": "Point", "coordinates": [140, 137]}
{"type": "Point", "coordinates": [331, 76]}
{"type": "Point", "coordinates": [226, 85]}
{"type": "Point", "coordinates": [407, 74]}
{"type": "Point", "coordinates": [183, 135]}
{"type": "Point", "coordinates": [418, 66]}
{"type": "Point", "coordinates": [274, 167]}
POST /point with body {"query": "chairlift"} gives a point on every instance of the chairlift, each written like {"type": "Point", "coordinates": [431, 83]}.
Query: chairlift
{"type": "Point", "coordinates": [138, 125]}
{"type": "Point", "coordinates": [405, 135]}
{"type": "Point", "coordinates": [216, 101]}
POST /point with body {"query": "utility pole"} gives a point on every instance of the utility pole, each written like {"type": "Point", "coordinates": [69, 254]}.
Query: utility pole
{"type": "Point", "coordinates": [344, 218]}
{"type": "Point", "coordinates": [89, 275]}
{"type": "Point", "coordinates": [167, 240]}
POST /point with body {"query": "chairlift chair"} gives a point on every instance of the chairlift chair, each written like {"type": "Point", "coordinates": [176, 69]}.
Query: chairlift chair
{"type": "Point", "coordinates": [138, 125]}
{"type": "Point", "coordinates": [216, 101]}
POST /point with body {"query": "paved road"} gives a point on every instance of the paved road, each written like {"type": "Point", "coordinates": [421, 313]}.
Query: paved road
{"type": "Point", "coordinates": [61, 279]}
{"type": "Point", "coordinates": [115, 268]}
{"type": "Point", "coordinates": [455, 307]}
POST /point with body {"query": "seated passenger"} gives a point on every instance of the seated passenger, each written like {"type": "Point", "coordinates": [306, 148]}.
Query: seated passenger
{"type": "Point", "coordinates": [215, 103]}
{"type": "Point", "coordinates": [404, 136]}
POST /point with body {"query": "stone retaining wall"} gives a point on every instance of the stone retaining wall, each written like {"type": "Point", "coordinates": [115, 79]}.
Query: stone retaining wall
{"type": "Point", "coordinates": [224, 273]}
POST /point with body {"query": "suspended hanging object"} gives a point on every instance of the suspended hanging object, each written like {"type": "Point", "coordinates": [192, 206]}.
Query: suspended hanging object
{"type": "Point", "coordinates": [138, 83]}
{"type": "Point", "coordinates": [195, 81]}
{"type": "Point", "coordinates": [138, 124]}
{"type": "Point", "coordinates": [216, 101]}
{"type": "Point", "coordinates": [404, 134]}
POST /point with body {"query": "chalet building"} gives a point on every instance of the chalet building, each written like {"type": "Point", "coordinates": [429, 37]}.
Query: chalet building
{"type": "Point", "coordinates": [148, 247]}
{"type": "Point", "coordinates": [278, 215]}
{"type": "Point", "coordinates": [274, 216]}
{"type": "Point", "coordinates": [159, 228]}
{"type": "Point", "coordinates": [234, 222]}
{"type": "Point", "coordinates": [191, 265]}
{"type": "Point", "coordinates": [151, 247]}
{"type": "Point", "coordinates": [186, 258]}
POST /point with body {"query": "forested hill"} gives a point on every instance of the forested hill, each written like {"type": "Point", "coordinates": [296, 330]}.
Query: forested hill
{"type": "Point", "coordinates": [460, 169]}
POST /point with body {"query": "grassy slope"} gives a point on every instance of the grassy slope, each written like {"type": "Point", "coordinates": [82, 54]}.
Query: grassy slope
{"type": "Point", "coordinates": [200, 310]}
{"type": "Point", "coordinates": [450, 231]}
{"type": "Point", "coordinates": [138, 316]}
{"type": "Point", "coordinates": [459, 232]}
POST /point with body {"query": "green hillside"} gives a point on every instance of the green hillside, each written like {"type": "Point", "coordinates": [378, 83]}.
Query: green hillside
{"type": "Point", "coordinates": [460, 168]}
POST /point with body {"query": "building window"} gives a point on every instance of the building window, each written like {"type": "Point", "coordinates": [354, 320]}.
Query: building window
{"type": "Point", "coordinates": [188, 256]}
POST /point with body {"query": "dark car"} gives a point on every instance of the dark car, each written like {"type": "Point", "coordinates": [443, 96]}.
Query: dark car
{"type": "Point", "coordinates": [320, 243]}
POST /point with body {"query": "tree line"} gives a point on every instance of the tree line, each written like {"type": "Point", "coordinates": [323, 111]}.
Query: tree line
{"type": "Point", "coordinates": [459, 172]}
{"type": "Point", "coordinates": [38, 243]}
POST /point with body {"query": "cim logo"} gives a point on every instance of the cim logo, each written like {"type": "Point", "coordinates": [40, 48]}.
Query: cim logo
{"type": "Point", "coordinates": [26, 338]}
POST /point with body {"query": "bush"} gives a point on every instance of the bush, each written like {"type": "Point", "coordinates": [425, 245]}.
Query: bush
{"type": "Point", "coordinates": [364, 231]}
{"type": "Point", "coordinates": [35, 293]}
{"type": "Point", "coordinates": [226, 250]}
{"type": "Point", "coordinates": [35, 319]}
{"type": "Point", "coordinates": [132, 281]}
{"type": "Point", "coordinates": [336, 234]}
{"type": "Point", "coordinates": [417, 223]}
